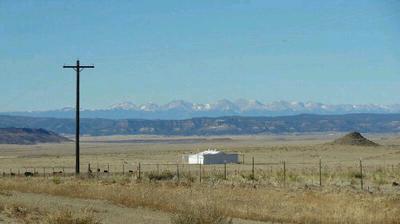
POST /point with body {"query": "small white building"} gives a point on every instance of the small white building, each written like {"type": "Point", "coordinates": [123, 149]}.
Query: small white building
{"type": "Point", "coordinates": [211, 157]}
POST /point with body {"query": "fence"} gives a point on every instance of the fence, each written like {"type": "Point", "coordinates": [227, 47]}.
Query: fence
{"type": "Point", "coordinates": [283, 173]}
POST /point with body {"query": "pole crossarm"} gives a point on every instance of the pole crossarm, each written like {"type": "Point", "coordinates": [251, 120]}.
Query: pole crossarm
{"type": "Point", "coordinates": [78, 68]}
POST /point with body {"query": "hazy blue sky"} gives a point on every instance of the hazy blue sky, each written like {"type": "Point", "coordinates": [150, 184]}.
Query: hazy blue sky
{"type": "Point", "coordinates": [326, 51]}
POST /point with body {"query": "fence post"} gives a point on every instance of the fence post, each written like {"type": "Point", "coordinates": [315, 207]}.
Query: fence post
{"type": "Point", "coordinates": [177, 171]}
{"type": "Point", "coordinates": [225, 174]}
{"type": "Point", "coordinates": [200, 172]}
{"type": "Point", "coordinates": [320, 172]}
{"type": "Point", "coordinates": [243, 159]}
{"type": "Point", "coordinates": [88, 169]}
{"type": "Point", "coordinates": [123, 169]}
{"type": "Point", "coordinates": [284, 173]}
{"type": "Point", "coordinates": [44, 172]}
{"type": "Point", "coordinates": [139, 172]}
{"type": "Point", "coordinates": [362, 175]}
{"type": "Point", "coordinates": [252, 169]}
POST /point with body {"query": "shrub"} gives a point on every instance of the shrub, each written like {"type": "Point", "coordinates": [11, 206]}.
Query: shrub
{"type": "Point", "coordinates": [16, 210]}
{"type": "Point", "coordinates": [57, 180]}
{"type": "Point", "coordinates": [5, 193]}
{"type": "Point", "coordinates": [189, 177]}
{"type": "Point", "coordinates": [67, 217]}
{"type": "Point", "coordinates": [356, 174]}
{"type": "Point", "coordinates": [165, 175]}
{"type": "Point", "coordinates": [294, 177]}
{"type": "Point", "coordinates": [379, 179]}
{"type": "Point", "coordinates": [201, 215]}
{"type": "Point", "coordinates": [248, 176]}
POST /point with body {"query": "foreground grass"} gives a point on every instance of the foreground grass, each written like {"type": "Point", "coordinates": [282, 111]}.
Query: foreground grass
{"type": "Point", "coordinates": [226, 200]}
{"type": "Point", "coordinates": [26, 214]}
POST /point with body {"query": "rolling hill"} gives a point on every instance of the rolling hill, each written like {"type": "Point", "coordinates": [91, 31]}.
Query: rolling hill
{"type": "Point", "coordinates": [27, 136]}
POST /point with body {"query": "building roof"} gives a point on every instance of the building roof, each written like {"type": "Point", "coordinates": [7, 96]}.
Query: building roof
{"type": "Point", "coordinates": [209, 152]}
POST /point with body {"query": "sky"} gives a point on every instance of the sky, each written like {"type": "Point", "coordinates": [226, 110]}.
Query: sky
{"type": "Point", "coordinates": [332, 52]}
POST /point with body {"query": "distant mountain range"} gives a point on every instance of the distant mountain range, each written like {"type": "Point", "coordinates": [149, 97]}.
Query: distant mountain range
{"type": "Point", "coordinates": [180, 109]}
{"type": "Point", "coordinates": [232, 125]}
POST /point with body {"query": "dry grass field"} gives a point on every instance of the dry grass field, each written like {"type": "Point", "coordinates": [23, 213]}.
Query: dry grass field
{"type": "Point", "coordinates": [272, 195]}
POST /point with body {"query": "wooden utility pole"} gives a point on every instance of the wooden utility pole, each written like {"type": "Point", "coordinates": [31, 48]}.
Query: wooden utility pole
{"type": "Point", "coordinates": [78, 68]}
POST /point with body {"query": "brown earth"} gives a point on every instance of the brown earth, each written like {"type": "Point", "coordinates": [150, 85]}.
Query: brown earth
{"type": "Point", "coordinates": [354, 138]}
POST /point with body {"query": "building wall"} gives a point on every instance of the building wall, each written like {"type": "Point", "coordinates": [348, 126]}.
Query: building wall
{"type": "Point", "coordinates": [195, 159]}
{"type": "Point", "coordinates": [221, 158]}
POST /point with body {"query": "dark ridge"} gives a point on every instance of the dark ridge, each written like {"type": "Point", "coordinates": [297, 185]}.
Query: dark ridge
{"type": "Point", "coordinates": [28, 136]}
{"type": "Point", "coordinates": [206, 126]}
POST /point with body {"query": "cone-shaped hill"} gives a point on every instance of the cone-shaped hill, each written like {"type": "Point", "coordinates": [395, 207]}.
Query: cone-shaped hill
{"type": "Point", "coordinates": [354, 138]}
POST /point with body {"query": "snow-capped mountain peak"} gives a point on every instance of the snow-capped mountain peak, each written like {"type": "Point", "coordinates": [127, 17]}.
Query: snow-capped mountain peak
{"type": "Point", "coordinates": [149, 107]}
{"type": "Point", "coordinates": [249, 105]}
{"type": "Point", "coordinates": [181, 109]}
{"type": "Point", "coordinates": [123, 106]}
{"type": "Point", "coordinates": [178, 105]}
{"type": "Point", "coordinates": [224, 105]}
